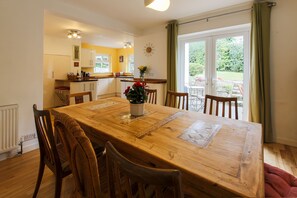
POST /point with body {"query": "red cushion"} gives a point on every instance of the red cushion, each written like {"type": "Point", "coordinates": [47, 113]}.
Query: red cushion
{"type": "Point", "coordinates": [279, 183]}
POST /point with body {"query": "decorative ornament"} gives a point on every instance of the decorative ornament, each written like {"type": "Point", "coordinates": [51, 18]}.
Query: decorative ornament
{"type": "Point", "coordinates": [149, 49]}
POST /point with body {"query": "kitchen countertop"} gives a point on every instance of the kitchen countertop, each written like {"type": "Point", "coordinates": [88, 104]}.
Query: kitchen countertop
{"type": "Point", "coordinates": [78, 80]}
{"type": "Point", "coordinates": [148, 80]}
{"type": "Point", "coordinates": [94, 78]}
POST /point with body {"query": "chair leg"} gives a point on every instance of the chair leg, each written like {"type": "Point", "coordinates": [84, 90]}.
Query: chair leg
{"type": "Point", "coordinates": [58, 186]}
{"type": "Point", "coordinates": [39, 178]}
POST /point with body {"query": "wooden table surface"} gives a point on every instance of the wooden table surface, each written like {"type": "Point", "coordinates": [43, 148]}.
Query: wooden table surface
{"type": "Point", "coordinates": [229, 164]}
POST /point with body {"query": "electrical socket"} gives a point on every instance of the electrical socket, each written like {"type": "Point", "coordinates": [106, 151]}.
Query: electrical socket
{"type": "Point", "coordinates": [28, 137]}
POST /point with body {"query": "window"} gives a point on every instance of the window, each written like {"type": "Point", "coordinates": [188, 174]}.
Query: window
{"type": "Point", "coordinates": [131, 63]}
{"type": "Point", "coordinates": [103, 64]}
{"type": "Point", "coordinates": [216, 63]}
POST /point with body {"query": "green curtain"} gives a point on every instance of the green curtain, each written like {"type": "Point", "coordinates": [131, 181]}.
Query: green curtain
{"type": "Point", "coordinates": [260, 108]}
{"type": "Point", "coordinates": [172, 32]}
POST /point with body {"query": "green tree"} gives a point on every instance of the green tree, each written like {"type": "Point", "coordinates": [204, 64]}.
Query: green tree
{"type": "Point", "coordinates": [196, 58]}
{"type": "Point", "coordinates": [230, 54]}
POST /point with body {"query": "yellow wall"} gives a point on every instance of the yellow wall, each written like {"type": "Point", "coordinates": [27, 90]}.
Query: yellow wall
{"type": "Point", "coordinates": [124, 52]}
{"type": "Point", "coordinates": [115, 53]}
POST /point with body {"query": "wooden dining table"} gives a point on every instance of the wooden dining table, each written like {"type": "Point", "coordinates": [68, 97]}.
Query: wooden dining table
{"type": "Point", "coordinates": [218, 157]}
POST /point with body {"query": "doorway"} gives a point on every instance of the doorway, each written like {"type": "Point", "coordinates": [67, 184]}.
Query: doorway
{"type": "Point", "coordinates": [217, 63]}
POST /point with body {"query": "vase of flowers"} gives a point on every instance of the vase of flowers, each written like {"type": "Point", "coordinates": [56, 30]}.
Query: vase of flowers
{"type": "Point", "coordinates": [136, 96]}
{"type": "Point", "coordinates": [142, 70]}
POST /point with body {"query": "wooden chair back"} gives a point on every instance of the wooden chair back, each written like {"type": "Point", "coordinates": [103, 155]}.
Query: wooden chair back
{"type": "Point", "coordinates": [81, 154]}
{"type": "Point", "coordinates": [79, 97]}
{"type": "Point", "coordinates": [126, 178]}
{"type": "Point", "coordinates": [51, 154]}
{"type": "Point", "coordinates": [177, 100]}
{"type": "Point", "coordinates": [223, 100]}
{"type": "Point", "coordinates": [151, 96]}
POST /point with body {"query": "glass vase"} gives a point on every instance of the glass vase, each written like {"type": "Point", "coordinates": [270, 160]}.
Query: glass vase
{"type": "Point", "coordinates": [141, 76]}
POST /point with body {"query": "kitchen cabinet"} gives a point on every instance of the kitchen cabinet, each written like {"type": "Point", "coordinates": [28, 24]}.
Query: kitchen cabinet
{"type": "Point", "coordinates": [77, 87]}
{"type": "Point", "coordinates": [118, 87]}
{"type": "Point", "coordinates": [54, 67]}
{"type": "Point", "coordinates": [106, 87]}
{"type": "Point", "coordinates": [88, 58]}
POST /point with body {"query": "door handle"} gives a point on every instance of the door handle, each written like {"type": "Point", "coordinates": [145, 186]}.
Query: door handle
{"type": "Point", "coordinates": [213, 82]}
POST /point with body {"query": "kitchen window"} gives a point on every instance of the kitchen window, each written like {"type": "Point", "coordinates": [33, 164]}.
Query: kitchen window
{"type": "Point", "coordinates": [103, 63]}
{"type": "Point", "coordinates": [131, 63]}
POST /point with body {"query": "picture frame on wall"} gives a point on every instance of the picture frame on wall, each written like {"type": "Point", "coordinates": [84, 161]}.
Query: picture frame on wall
{"type": "Point", "coordinates": [76, 52]}
{"type": "Point", "coordinates": [121, 59]}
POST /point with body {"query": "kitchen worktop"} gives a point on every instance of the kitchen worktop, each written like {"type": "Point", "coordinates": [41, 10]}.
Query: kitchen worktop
{"type": "Point", "coordinates": [77, 80]}
{"type": "Point", "coordinates": [93, 78]}
{"type": "Point", "coordinates": [148, 80]}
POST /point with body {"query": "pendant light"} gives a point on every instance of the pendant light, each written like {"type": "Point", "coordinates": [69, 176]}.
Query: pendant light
{"type": "Point", "coordinates": [159, 5]}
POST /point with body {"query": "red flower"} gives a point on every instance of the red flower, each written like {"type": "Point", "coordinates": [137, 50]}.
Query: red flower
{"type": "Point", "coordinates": [127, 90]}
{"type": "Point", "coordinates": [139, 84]}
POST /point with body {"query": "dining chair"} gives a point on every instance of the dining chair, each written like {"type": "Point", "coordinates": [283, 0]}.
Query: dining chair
{"type": "Point", "coordinates": [127, 179]}
{"type": "Point", "coordinates": [51, 153]}
{"type": "Point", "coordinates": [222, 110]}
{"type": "Point", "coordinates": [177, 100]}
{"type": "Point", "coordinates": [89, 170]}
{"type": "Point", "coordinates": [79, 97]}
{"type": "Point", "coordinates": [151, 96]}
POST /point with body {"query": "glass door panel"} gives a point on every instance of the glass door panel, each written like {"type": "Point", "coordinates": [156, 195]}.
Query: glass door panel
{"type": "Point", "coordinates": [195, 73]}
{"type": "Point", "coordinates": [229, 68]}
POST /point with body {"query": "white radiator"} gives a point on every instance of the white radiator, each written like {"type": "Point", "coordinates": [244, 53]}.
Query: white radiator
{"type": "Point", "coordinates": [8, 127]}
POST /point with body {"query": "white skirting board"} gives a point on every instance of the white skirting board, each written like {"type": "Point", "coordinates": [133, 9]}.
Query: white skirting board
{"type": "Point", "coordinates": [27, 147]}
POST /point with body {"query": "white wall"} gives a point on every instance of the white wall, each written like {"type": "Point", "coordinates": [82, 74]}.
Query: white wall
{"type": "Point", "coordinates": [284, 71]}
{"type": "Point", "coordinates": [156, 62]}
{"type": "Point", "coordinates": [21, 52]}
{"type": "Point", "coordinates": [239, 18]}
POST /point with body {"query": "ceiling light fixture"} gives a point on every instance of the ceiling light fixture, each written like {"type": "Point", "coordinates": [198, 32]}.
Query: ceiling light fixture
{"type": "Point", "coordinates": [159, 5]}
{"type": "Point", "coordinates": [127, 45]}
{"type": "Point", "coordinates": [74, 34]}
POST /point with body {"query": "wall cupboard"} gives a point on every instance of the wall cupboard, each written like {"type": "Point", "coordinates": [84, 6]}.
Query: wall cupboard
{"type": "Point", "coordinates": [88, 58]}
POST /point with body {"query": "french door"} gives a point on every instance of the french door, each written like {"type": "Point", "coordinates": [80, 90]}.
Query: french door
{"type": "Point", "coordinates": [215, 63]}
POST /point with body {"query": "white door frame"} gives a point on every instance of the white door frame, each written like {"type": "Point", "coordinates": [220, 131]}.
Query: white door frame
{"type": "Point", "coordinates": [210, 38]}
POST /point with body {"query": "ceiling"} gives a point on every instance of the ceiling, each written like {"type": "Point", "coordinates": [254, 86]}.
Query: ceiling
{"type": "Point", "coordinates": [130, 12]}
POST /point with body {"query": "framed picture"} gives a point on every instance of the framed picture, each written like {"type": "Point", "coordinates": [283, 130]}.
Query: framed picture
{"type": "Point", "coordinates": [121, 59]}
{"type": "Point", "coordinates": [76, 64]}
{"type": "Point", "coordinates": [76, 52]}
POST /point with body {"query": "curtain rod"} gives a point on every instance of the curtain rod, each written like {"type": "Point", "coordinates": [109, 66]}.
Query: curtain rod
{"type": "Point", "coordinates": [270, 4]}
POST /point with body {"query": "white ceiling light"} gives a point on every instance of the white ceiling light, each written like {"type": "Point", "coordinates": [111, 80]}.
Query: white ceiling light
{"type": "Point", "coordinates": [127, 45]}
{"type": "Point", "coordinates": [74, 34]}
{"type": "Point", "coordinates": [160, 5]}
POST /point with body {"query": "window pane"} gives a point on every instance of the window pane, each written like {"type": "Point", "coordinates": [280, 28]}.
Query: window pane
{"type": "Point", "coordinates": [102, 64]}
{"type": "Point", "coordinates": [98, 58]}
{"type": "Point", "coordinates": [229, 68]}
{"type": "Point", "coordinates": [131, 64]}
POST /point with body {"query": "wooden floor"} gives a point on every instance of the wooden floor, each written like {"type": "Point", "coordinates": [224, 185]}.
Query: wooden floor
{"type": "Point", "coordinates": [18, 175]}
{"type": "Point", "coordinates": [282, 156]}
